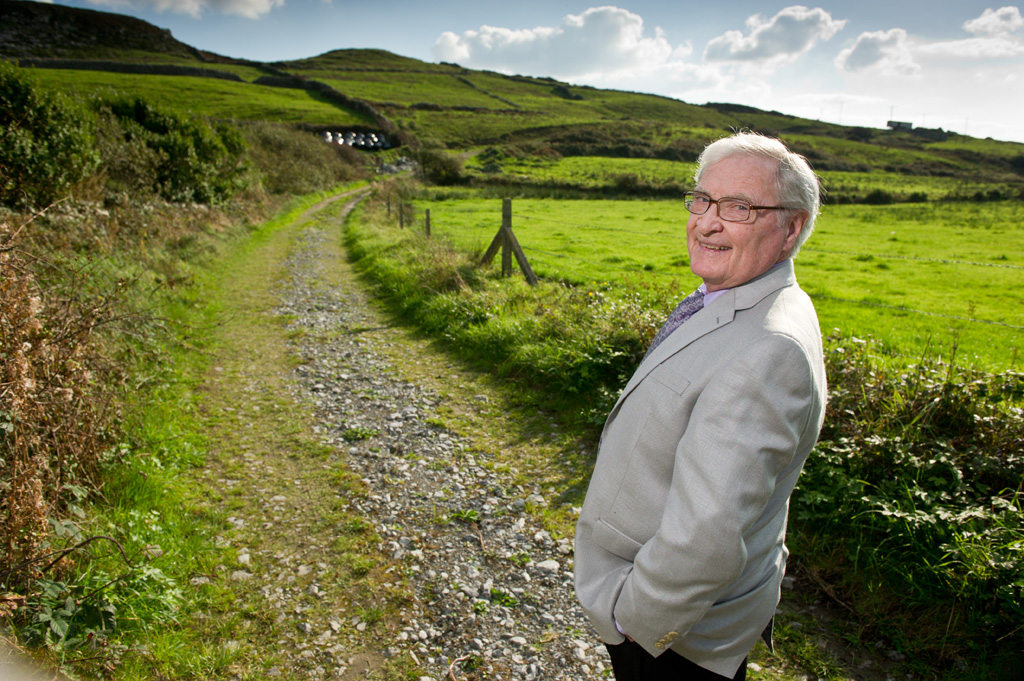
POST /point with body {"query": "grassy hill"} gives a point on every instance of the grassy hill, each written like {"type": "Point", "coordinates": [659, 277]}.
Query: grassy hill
{"type": "Point", "coordinates": [448, 106]}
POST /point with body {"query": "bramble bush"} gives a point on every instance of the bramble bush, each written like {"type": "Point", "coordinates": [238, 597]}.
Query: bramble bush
{"type": "Point", "coordinates": [50, 143]}
{"type": "Point", "coordinates": [292, 161]}
{"type": "Point", "coordinates": [55, 412]}
{"type": "Point", "coordinates": [915, 489]}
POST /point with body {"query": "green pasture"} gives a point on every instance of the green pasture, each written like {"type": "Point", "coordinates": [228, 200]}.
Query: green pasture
{"type": "Point", "coordinates": [407, 88]}
{"type": "Point", "coordinates": [212, 97]}
{"type": "Point", "coordinates": [462, 129]}
{"type": "Point", "coordinates": [446, 88]}
{"type": "Point", "coordinates": [885, 150]}
{"type": "Point", "coordinates": [595, 171]}
{"type": "Point", "coordinates": [902, 187]}
{"type": "Point", "coordinates": [979, 146]}
{"type": "Point", "coordinates": [246, 73]}
{"type": "Point", "coordinates": [363, 60]}
{"type": "Point", "coordinates": [584, 171]}
{"type": "Point", "coordinates": [919, 278]}
{"type": "Point", "coordinates": [502, 106]}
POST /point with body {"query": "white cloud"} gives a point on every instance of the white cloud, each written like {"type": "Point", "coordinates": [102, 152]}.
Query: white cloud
{"type": "Point", "coordinates": [888, 52]}
{"type": "Point", "coordinates": [252, 9]}
{"type": "Point", "coordinates": [781, 39]}
{"type": "Point", "coordinates": [994, 47]}
{"type": "Point", "coordinates": [994, 37]}
{"type": "Point", "coordinates": [994, 22]}
{"type": "Point", "coordinates": [602, 42]}
{"type": "Point", "coordinates": [894, 52]}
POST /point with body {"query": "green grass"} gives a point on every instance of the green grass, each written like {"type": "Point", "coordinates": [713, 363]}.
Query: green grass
{"type": "Point", "coordinates": [918, 277]}
{"type": "Point", "coordinates": [212, 97]}
{"type": "Point", "coordinates": [602, 172]}
{"type": "Point", "coordinates": [584, 171]}
{"type": "Point", "coordinates": [407, 88]}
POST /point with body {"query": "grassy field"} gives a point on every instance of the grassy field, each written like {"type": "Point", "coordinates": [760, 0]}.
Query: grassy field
{"type": "Point", "coordinates": [213, 97]}
{"type": "Point", "coordinates": [917, 277]}
{"type": "Point", "coordinates": [840, 186]}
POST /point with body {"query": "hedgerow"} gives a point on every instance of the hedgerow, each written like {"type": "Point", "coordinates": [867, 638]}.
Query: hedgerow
{"type": "Point", "coordinates": [911, 505]}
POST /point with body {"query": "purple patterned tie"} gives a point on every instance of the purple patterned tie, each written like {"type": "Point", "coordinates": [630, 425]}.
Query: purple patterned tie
{"type": "Point", "coordinates": [686, 309]}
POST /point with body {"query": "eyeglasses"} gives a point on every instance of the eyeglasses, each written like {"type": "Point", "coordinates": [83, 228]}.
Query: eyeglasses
{"type": "Point", "coordinates": [730, 210]}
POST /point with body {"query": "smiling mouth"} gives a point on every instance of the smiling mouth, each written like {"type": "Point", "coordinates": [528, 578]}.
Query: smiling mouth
{"type": "Point", "coordinates": [712, 247]}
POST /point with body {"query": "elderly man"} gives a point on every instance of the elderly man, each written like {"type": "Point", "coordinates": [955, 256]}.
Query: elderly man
{"type": "Point", "coordinates": [680, 546]}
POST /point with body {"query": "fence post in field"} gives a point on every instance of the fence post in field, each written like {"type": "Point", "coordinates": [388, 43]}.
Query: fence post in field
{"type": "Point", "coordinates": [506, 240]}
{"type": "Point", "coordinates": [426, 221]}
{"type": "Point", "coordinates": [389, 206]}
{"type": "Point", "coordinates": [401, 215]}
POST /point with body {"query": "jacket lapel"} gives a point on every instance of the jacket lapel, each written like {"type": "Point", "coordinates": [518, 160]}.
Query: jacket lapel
{"type": "Point", "coordinates": [716, 315]}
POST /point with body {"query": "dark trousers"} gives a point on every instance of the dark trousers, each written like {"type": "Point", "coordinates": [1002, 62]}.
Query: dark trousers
{"type": "Point", "coordinates": [631, 662]}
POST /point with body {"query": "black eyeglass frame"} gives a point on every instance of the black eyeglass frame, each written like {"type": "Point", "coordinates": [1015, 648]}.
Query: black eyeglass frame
{"type": "Point", "coordinates": [689, 196]}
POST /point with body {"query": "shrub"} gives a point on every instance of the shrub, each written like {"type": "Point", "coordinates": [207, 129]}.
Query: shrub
{"type": "Point", "coordinates": [46, 141]}
{"type": "Point", "coordinates": [292, 161]}
{"type": "Point", "coordinates": [194, 161]}
{"type": "Point", "coordinates": [878, 197]}
{"type": "Point", "coordinates": [130, 166]}
{"type": "Point", "coordinates": [914, 489]}
{"type": "Point", "coordinates": [437, 167]}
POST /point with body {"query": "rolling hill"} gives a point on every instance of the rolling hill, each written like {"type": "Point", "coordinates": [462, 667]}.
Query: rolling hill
{"type": "Point", "coordinates": [447, 106]}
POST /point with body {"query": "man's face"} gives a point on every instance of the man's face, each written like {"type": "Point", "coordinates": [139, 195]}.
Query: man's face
{"type": "Point", "coordinates": [727, 254]}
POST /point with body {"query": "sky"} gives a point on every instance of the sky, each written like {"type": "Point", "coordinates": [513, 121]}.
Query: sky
{"type": "Point", "coordinates": [951, 64]}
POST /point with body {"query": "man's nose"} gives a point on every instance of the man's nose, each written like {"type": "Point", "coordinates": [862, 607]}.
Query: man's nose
{"type": "Point", "coordinates": [709, 221]}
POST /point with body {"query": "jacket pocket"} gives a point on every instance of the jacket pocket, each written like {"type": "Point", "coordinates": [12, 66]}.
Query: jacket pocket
{"type": "Point", "coordinates": [614, 541]}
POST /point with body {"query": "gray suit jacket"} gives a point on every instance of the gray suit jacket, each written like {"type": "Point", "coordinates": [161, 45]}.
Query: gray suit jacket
{"type": "Point", "coordinates": [680, 538]}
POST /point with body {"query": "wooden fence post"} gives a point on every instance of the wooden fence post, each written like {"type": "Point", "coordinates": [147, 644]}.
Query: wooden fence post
{"type": "Point", "coordinates": [506, 240]}
{"type": "Point", "coordinates": [427, 221]}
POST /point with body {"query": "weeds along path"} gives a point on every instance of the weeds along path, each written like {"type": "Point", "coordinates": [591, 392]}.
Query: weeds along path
{"type": "Point", "coordinates": [369, 540]}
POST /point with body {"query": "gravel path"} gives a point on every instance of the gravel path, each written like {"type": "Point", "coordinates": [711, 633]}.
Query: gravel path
{"type": "Point", "coordinates": [489, 582]}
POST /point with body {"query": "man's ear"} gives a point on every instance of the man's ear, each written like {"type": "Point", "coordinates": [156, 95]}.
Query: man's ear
{"type": "Point", "coordinates": [794, 227]}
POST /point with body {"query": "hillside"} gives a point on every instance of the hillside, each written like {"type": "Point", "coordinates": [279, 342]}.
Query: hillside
{"type": "Point", "coordinates": [39, 30]}
{"type": "Point", "coordinates": [448, 106]}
